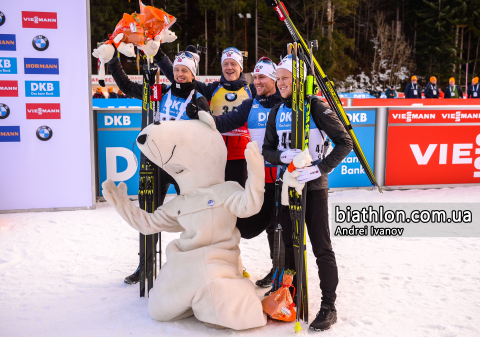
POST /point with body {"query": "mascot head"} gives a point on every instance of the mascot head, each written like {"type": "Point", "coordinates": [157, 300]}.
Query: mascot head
{"type": "Point", "coordinates": [192, 152]}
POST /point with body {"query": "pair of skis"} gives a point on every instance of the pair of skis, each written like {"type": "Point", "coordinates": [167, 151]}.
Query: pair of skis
{"type": "Point", "coordinates": [278, 245]}
{"type": "Point", "coordinates": [325, 85]}
{"type": "Point", "coordinates": [148, 192]}
{"type": "Point", "coordinates": [302, 92]}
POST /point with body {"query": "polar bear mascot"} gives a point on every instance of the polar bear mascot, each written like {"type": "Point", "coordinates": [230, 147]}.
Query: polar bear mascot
{"type": "Point", "coordinates": [203, 273]}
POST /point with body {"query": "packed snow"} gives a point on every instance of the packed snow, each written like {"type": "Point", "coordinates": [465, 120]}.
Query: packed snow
{"type": "Point", "coordinates": [61, 274]}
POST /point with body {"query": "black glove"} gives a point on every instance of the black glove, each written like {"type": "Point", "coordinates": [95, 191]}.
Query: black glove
{"type": "Point", "coordinates": [159, 56]}
{"type": "Point", "coordinates": [192, 111]}
{"type": "Point", "coordinates": [115, 55]}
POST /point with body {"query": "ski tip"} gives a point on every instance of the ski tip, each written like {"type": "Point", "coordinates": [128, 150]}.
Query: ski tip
{"type": "Point", "coordinates": [297, 327]}
{"type": "Point", "coordinates": [102, 83]}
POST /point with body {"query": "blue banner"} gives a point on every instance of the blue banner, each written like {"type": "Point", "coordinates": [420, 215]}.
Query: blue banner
{"type": "Point", "coordinates": [9, 133]}
{"type": "Point", "coordinates": [349, 173]}
{"type": "Point", "coordinates": [42, 89]}
{"type": "Point", "coordinates": [8, 65]}
{"type": "Point", "coordinates": [118, 158]}
{"type": "Point", "coordinates": [116, 102]}
{"type": "Point", "coordinates": [8, 42]}
{"type": "Point", "coordinates": [41, 66]}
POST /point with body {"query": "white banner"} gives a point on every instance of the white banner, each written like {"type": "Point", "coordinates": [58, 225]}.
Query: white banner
{"type": "Point", "coordinates": [139, 79]}
{"type": "Point", "coordinates": [45, 105]}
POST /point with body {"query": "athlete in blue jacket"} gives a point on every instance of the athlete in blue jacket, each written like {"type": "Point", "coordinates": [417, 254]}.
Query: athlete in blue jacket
{"type": "Point", "coordinates": [253, 113]}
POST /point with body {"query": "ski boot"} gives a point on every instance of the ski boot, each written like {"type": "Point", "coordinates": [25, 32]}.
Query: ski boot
{"type": "Point", "coordinates": [325, 318]}
{"type": "Point", "coordinates": [266, 281]}
{"type": "Point", "coordinates": [134, 278]}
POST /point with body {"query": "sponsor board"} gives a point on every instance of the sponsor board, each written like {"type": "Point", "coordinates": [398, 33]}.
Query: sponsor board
{"type": "Point", "coordinates": [8, 42]}
{"type": "Point", "coordinates": [9, 133]}
{"type": "Point", "coordinates": [433, 116]}
{"type": "Point", "coordinates": [44, 133]}
{"type": "Point", "coordinates": [46, 20]}
{"type": "Point", "coordinates": [41, 66]}
{"type": "Point", "coordinates": [350, 173]}
{"type": "Point", "coordinates": [4, 111]}
{"type": "Point", "coordinates": [440, 154]}
{"type": "Point", "coordinates": [40, 43]}
{"type": "Point", "coordinates": [8, 65]}
{"type": "Point", "coordinates": [43, 110]}
{"type": "Point", "coordinates": [8, 88]}
{"type": "Point", "coordinates": [42, 89]}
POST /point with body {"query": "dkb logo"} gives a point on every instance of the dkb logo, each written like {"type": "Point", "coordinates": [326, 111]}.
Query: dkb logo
{"type": "Point", "coordinates": [8, 65]}
{"type": "Point", "coordinates": [42, 88]}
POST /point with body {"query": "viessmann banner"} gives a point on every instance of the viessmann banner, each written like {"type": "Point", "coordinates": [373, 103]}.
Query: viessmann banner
{"type": "Point", "coordinates": [44, 106]}
{"type": "Point", "coordinates": [433, 147]}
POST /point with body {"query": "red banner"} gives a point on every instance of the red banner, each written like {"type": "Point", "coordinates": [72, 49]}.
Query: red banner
{"type": "Point", "coordinates": [43, 110]}
{"type": "Point", "coordinates": [423, 155]}
{"type": "Point", "coordinates": [8, 89]}
{"type": "Point", "coordinates": [433, 116]}
{"type": "Point", "coordinates": [412, 101]}
{"type": "Point", "coordinates": [39, 20]}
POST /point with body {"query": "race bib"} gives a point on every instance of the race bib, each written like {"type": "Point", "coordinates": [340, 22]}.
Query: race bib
{"type": "Point", "coordinates": [434, 92]}
{"type": "Point", "coordinates": [415, 92]}
{"type": "Point", "coordinates": [474, 94]}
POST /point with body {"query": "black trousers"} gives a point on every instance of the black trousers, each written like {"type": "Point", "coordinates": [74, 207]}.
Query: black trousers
{"type": "Point", "coordinates": [316, 218]}
{"type": "Point", "coordinates": [264, 220]}
{"type": "Point", "coordinates": [236, 170]}
{"type": "Point", "coordinates": [165, 181]}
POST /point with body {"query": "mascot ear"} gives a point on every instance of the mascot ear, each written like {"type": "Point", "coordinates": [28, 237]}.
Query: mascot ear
{"type": "Point", "coordinates": [207, 119]}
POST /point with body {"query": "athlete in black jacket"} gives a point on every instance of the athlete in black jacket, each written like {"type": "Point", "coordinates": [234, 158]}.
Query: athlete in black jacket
{"type": "Point", "coordinates": [276, 150]}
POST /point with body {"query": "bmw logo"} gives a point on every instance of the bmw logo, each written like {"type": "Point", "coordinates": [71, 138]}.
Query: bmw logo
{"type": "Point", "coordinates": [4, 111]}
{"type": "Point", "coordinates": [40, 43]}
{"type": "Point", "coordinates": [231, 96]}
{"type": "Point", "coordinates": [44, 133]}
{"type": "Point", "coordinates": [2, 18]}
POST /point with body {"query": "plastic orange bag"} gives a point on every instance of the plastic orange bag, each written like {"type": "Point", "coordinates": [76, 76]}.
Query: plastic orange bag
{"type": "Point", "coordinates": [279, 304]}
{"type": "Point", "coordinates": [155, 20]}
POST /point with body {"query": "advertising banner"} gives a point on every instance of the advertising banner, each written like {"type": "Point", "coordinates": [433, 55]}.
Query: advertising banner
{"type": "Point", "coordinates": [45, 106]}
{"type": "Point", "coordinates": [433, 147]}
{"type": "Point", "coordinates": [118, 157]}
{"type": "Point", "coordinates": [349, 173]}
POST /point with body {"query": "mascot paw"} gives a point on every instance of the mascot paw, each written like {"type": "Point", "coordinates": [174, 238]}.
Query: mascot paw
{"type": "Point", "coordinates": [167, 36]}
{"type": "Point", "coordinates": [151, 48]}
{"type": "Point", "coordinates": [127, 49]}
{"type": "Point", "coordinates": [302, 160]}
{"type": "Point", "coordinates": [255, 161]}
{"type": "Point", "coordinates": [104, 52]}
{"type": "Point", "coordinates": [290, 180]}
{"type": "Point", "coordinates": [115, 195]}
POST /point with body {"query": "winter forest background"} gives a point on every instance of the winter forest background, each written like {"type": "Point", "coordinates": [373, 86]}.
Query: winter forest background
{"type": "Point", "coordinates": [363, 44]}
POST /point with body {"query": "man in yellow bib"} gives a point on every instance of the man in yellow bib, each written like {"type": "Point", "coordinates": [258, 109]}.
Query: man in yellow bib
{"type": "Point", "coordinates": [224, 95]}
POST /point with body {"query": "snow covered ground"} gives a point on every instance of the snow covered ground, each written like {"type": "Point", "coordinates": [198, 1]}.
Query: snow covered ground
{"type": "Point", "coordinates": [61, 274]}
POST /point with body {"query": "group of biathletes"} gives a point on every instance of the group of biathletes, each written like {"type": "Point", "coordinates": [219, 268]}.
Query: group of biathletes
{"type": "Point", "coordinates": [234, 104]}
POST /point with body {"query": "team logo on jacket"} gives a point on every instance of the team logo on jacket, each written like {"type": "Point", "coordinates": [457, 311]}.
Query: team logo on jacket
{"type": "Point", "coordinates": [44, 133]}
{"type": "Point", "coordinates": [4, 111]}
{"type": "Point", "coordinates": [8, 42]}
{"type": "Point", "coordinates": [40, 42]}
{"type": "Point", "coordinates": [2, 18]}
{"type": "Point", "coordinates": [39, 20]}
{"type": "Point", "coordinates": [231, 96]}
